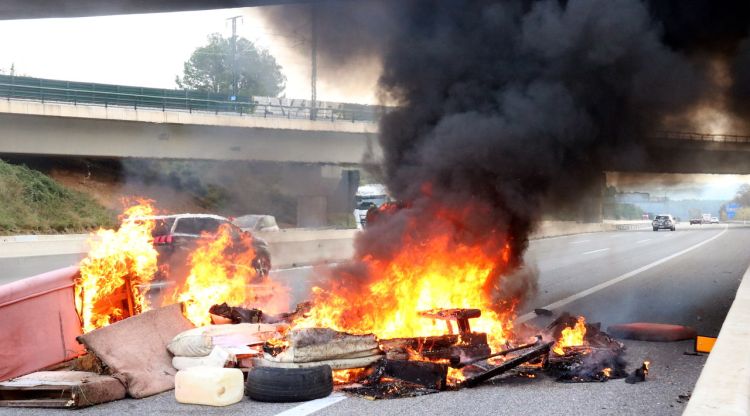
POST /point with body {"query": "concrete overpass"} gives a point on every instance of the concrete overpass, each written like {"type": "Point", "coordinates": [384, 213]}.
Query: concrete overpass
{"type": "Point", "coordinates": [63, 129]}
{"type": "Point", "coordinates": [32, 9]}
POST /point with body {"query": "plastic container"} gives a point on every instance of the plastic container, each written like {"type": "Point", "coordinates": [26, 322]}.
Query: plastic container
{"type": "Point", "coordinates": [209, 386]}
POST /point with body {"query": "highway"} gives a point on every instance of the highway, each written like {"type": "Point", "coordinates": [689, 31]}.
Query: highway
{"type": "Point", "coordinates": [684, 277]}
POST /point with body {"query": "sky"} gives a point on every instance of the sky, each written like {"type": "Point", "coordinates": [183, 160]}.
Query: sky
{"type": "Point", "coordinates": [680, 186]}
{"type": "Point", "coordinates": [149, 50]}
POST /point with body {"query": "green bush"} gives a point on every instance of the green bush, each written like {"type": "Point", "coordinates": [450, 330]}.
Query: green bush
{"type": "Point", "coordinates": [34, 202]}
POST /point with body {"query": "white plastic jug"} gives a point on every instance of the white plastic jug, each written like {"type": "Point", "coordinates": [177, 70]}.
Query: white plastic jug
{"type": "Point", "coordinates": [209, 386]}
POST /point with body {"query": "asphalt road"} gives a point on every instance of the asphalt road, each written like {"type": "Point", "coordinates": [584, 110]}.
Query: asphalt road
{"type": "Point", "coordinates": [684, 277]}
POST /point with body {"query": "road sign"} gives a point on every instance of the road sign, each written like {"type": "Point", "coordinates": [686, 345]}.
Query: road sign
{"type": "Point", "coordinates": [732, 210]}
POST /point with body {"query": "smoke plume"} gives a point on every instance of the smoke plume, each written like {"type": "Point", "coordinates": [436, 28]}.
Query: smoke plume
{"type": "Point", "coordinates": [508, 108]}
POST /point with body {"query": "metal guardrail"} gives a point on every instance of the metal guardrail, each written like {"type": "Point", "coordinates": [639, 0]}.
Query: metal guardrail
{"type": "Point", "coordinates": [627, 227]}
{"type": "Point", "coordinates": [722, 138]}
{"type": "Point", "coordinates": [34, 89]}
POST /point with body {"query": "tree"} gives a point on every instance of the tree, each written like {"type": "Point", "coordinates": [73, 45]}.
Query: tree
{"type": "Point", "coordinates": [210, 69]}
{"type": "Point", "coordinates": [743, 195]}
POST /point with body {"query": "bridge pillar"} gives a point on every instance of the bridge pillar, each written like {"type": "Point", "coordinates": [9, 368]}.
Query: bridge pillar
{"type": "Point", "coordinates": [590, 208]}
{"type": "Point", "coordinates": [325, 193]}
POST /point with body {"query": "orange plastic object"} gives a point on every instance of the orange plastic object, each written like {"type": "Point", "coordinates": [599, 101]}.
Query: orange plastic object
{"type": "Point", "coordinates": [704, 344]}
{"type": "Point", "coordinates": [38, 323]}
{"type": "Point", "coordinates": [648, 331]}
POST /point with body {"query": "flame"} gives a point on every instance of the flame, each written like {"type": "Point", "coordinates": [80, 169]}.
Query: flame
{"type": "Point", "coordinates": [221, 271]}
{"type": "Point", "coordinates": [424, 275]}
{"type": "Point", "coordinates": [455, 375]}
{"type": "Point", "coordinates": [117, 264]}
{"type": "Point", "coordinates": [348, 376]}
{"type": "Point", "coordinates": [571, 337]}
{"type": "Point", "coordinates": [607, 372]}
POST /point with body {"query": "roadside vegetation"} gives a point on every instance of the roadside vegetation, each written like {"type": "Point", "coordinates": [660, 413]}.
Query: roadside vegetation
{"type": "Point", "coordinates": [32, 202]}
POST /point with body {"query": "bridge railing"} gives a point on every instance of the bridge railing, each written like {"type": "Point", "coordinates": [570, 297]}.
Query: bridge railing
{"type": "Point", "coordinates": [728, 138]}
{"type": "Point", "coordinates": [38, 89]}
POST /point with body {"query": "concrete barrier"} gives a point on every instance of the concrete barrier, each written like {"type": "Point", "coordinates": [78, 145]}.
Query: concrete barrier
{"type": "Point", "coordinates": [723, 387]}
{"type": "Point", "coordinates": [559, 228]}
{"type": "Point", "coordinates": [289, 247]}
{"type": "Point", "coordinates": [297, 247]}
{"type": "Point", "coordinates": [42, 245]}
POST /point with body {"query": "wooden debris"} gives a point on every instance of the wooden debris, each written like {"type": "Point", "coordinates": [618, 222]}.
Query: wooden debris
{"type": "Point", "coordinates": [425, 373]}
{"type": "Point", "coordinates": [60, 389]}
{"type": "Point", "coordinates": [532, 353]}
{"type": "Point", "coordinates": [497, 354]}
{"type": "Point", "coordinates": [442, 347]}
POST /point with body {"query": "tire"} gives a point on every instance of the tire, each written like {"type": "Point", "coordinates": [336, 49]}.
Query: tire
{"type": "Point", "coordinates": [672, 228]}
{"type": "Point", "coordinates": [262, 264]}
{"type": "Point", "coordinates": [282, 385]}
{"type": "Point", "coordinates": [656, 229]}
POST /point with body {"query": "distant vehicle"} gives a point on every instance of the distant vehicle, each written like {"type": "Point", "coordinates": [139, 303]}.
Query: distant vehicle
{"type": "Point", "coordinates": [252, 223]}
{"type": "Point", "coordinates": [714, 220]}
{"type": "Point", "coordinates": [369, 196]}
{"type": "Point", "coordinates": [706, 218]}
{"type": "Point", "coordinates": [698, 221]}
{"type": "Point", "coordinates": [663, 221]}
{"type": "Point", "coordinates": [175, 237]}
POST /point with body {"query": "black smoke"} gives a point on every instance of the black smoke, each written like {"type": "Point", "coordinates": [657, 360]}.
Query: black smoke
{"type": "Point", "coordinates": [514, 109]}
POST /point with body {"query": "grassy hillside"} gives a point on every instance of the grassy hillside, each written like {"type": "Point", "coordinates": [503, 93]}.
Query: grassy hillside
{"type": "Point", "coordinates": [31, 202]}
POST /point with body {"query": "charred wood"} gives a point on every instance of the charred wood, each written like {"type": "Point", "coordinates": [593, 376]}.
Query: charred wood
{"type": "Point", "coordinates": [534, 352]}
{"type": "Point", "coordinates": [498, 354]}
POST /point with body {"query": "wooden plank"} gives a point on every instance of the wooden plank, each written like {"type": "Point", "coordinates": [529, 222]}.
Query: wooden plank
{"type": "Point", "coordinates": [508, 365]}
{"type": "Point", "coordinates": [424, 373]}
{"type": "Point", "coordinates": [46, 403]}
{"type": "Point", "coordinates": [61, 389]}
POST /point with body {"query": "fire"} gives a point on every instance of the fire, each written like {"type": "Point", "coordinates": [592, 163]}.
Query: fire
{"type": "Point", "coordinates": [220, 271]}
{"type": "Point", "coordinates": [348, 376]}
{"type": "Point", "coordinates": [117, 265]}
{"type": "Point", "coordinates": [456, 375]}
{"type": "Point", "coordinates": [423, 275]}
{"type": "Point", "coordinates": [571, 337]}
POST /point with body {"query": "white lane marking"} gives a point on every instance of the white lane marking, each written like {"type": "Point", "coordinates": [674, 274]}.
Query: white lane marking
{"type": "Point", "coordinates": [642, 241]}
{"type": "Point", "coordinates": [313, 405]}
{"type": "Point", "coordinates": [562, 302]}
{"type": "Point", "coordinates": [293, 268]}
{"type": "Point", "coordinates": [306, 267]}
{"type": "Point", "coordinates": [579, 241]}
{"type": "Point", "coordinates": [595, 251]}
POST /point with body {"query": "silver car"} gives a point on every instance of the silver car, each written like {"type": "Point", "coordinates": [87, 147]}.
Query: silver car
{"type": "Point", "coordinates": [663, 221]}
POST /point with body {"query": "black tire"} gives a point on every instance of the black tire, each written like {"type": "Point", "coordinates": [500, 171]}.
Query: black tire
{"type": "Point", "coordinates": [672, 228]}
{"type": "Point", "coordinates": [656, 229]}
{"type": "Point", "coordinates": [262, 264]}
{"type": "Point", "coordinates": [282, 385]}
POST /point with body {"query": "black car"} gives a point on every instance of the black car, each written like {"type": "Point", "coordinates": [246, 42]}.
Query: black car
{"type": "Point", "coordinates": [175, 237]}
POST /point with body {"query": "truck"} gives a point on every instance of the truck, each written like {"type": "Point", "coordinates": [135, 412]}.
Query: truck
{"type": "Point", "coordinates": [367, 197]}
{"type": "Point", "coordinates": [706, 218]}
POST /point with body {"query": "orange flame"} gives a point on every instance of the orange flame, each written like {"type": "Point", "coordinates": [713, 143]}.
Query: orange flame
{"type": "Point", "coordinates": [221, 271]}
{"type": "Point", "coordinates": [456, 375]}
{"type": "Point", "coordinates": [116, 266]}
{"type": "Point", "coordinates": [571, 337]}
{"type": "Point", "coordinates": [434, 274]}
{"type": "Point", "coordinates": [348, 376]}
